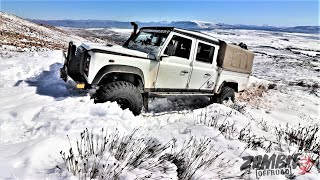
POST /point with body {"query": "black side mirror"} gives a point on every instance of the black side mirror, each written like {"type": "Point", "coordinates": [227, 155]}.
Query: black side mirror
{"type": "Point", "coordinates": [163, 56]}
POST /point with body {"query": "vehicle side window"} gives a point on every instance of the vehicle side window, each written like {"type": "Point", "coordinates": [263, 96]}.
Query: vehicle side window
{"type": "Point", "coordinates": [205, 53]}
{"type": "Point", "coordinates": [179, 46]}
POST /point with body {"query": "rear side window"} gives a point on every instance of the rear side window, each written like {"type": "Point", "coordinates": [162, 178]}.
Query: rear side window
{"type": "Point", "coordinates": [205, 53]}
{"type": "Point", "coordinates": [179, 46]}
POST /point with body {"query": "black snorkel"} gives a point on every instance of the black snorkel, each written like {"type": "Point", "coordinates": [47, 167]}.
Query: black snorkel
{"type": "Point", "coordinates": [133, 34]}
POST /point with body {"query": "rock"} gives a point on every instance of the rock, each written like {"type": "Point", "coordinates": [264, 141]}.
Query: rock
{"type": "Point", "coordinates": [272, 86]}
{"type": "Point", "coordinates": [243, 45]}
{"type": "Point", "coordinates": [301, 83]}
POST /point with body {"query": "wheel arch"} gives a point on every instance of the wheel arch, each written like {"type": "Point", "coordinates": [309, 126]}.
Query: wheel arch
{"type": "Point", "coordinates": [131, 74]}
{"type": "Point", "coordinates": [229, 83]}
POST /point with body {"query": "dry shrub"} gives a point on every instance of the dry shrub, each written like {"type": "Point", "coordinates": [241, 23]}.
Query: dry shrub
{"type": "Point", "coordinates": [193, 156]}
{"type": "Point", "coordinates": [218, 121]}
{"type": "Point", "coordinates": [106, 155]}
{"type": "Point", "coordinates": [253, 95]}
{"type": "Point", "coordinates": [307, 138]}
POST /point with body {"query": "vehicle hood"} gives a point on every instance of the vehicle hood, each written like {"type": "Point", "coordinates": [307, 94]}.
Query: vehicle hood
{"type": "Point", "coordinates": [115, 49]}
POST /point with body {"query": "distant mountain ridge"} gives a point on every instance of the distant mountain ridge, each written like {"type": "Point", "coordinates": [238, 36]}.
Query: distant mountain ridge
{"type": "Point", "coordinates": [194, 25]}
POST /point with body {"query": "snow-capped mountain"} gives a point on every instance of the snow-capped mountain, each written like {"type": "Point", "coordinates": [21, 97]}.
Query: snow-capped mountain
{"type": "Point", "coordinates": [120, 24]}
{"type": "Point", "coordinates": [193, 25]}
{"type": "Point", "coordinates": [23, 35]}
{"type": "Point", "coordinates": [205, 25]}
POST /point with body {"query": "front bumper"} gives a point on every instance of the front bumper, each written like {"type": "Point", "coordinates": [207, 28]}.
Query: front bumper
{"type": "Point", "coordinates": [64, 70]}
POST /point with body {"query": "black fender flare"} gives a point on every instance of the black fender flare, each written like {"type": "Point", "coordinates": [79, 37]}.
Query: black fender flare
{"type": "Point", "coordinates": [230, 83]}
{"type": "Point", "coordinates": [117, 69]}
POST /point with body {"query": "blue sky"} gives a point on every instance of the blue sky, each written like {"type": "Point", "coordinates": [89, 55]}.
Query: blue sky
{"type": "Point", "coordinates": [258, 12]}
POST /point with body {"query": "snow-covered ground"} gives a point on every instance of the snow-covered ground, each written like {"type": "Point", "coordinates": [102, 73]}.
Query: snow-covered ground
{"type": "Point", "coordinates": [38, 110]}
{"type": "Point", "coordinates": [101, 35]}
{"type": "Point", "coordinates": [279, 57]}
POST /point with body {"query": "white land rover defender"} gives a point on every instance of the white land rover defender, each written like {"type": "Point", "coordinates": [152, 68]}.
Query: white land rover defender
{"type": "Point", "coordinates": [159, 61]}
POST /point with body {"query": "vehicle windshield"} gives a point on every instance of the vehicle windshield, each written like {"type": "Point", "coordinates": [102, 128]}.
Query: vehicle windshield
{"type": "Point", "coordinates": [149, 40]}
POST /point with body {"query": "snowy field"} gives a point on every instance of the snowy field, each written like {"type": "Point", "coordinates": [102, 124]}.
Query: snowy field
{"type": "Point", "coordinates": [38, 110]}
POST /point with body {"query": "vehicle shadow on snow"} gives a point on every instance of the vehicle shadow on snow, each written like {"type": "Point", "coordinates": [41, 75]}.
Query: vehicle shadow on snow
{"type": "Point", "coordinates": [178, 103]}
{"type": "Point", "coordinates": [49, 83]}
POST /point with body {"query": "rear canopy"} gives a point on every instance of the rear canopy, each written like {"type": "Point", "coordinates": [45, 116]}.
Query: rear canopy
{"type": "Point", "coordinates": [235, 58]}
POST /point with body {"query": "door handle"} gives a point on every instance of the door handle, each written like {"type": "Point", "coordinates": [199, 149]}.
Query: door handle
{"type": "Point", "coordinates": [207, 74]}
{"type": "Point", "coordinates": [184, 72]}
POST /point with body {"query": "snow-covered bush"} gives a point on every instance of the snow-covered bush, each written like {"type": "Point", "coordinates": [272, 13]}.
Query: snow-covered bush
{"type": "Point", "coordinates": [306, 138]}
{"type": "Point", "coordinates": [194, 155]}
{"type": "Point", "coordinates": [253, 141]}
{"type": "Point", "coordinates": [219, 121]}
{"type": "Point", "coordinates": [240, 107]}
{"type": "Point", "coordinates": [108, 155]}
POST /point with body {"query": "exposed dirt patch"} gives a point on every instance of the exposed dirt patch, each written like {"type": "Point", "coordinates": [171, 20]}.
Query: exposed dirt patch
{"type": "Point", "coordinates": [254, 95]}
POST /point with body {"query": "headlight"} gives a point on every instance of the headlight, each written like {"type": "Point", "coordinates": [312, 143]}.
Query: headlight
{"type": "Point", "coordinates": [87, 65]}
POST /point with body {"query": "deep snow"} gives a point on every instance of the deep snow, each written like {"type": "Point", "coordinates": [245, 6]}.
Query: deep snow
{"type": "Point", "coordinates": [38, 110]}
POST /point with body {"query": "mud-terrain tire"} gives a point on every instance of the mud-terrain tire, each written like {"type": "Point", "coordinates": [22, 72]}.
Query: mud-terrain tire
{"type": "Point", "coordinates": [122, 92]}
{"type": "Point", "coordinates": [226, 93]}
{"type": "Point", "coordinates": [213, 99]}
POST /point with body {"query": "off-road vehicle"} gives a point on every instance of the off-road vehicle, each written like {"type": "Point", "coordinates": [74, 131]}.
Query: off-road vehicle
{"type": "Point", "coordinates": [159, 61]}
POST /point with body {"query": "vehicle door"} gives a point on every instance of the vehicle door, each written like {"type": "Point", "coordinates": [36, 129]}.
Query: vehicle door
{"type": "Point", "coordinates": [174, 69]}
{"type": "Point", "coordinates": [204, 69]}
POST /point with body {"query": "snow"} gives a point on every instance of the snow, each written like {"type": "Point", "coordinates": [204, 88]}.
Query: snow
{"type": "Point", "coordinates": [122, 31]}
{"type": "Point", "coordinates": [203, 24]}
{"type": "Point", "coordinates": [101, 35]}
{"type": "Point", "coordinates": [38, 110]}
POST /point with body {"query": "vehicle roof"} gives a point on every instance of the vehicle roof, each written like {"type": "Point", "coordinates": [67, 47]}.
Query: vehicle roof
{"type": "Point", "coordinates": [195, 34]}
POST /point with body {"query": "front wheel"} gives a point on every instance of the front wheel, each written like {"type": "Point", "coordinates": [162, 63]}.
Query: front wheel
{"type": "Point", "coordinates": [122, 92]}
{"type": "Point", "coordinates": [226, 94]}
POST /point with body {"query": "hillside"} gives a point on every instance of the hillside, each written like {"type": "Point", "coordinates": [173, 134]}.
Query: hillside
{"type": "Point", "coordinates": [18, 34]}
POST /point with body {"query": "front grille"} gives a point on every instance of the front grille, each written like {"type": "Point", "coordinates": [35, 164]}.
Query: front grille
{"type": "Point", "coordinates": [80, 57]}
{"type": "Point", "coordinates": [76, 64]}
{"type": "Point", "coordinates": [79, 52]}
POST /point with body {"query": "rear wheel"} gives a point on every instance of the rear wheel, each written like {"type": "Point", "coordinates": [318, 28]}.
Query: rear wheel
{"type": "Point", "coordinates": [226, 94]}
{"type": "Point", "coordinates": [122, 92]}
